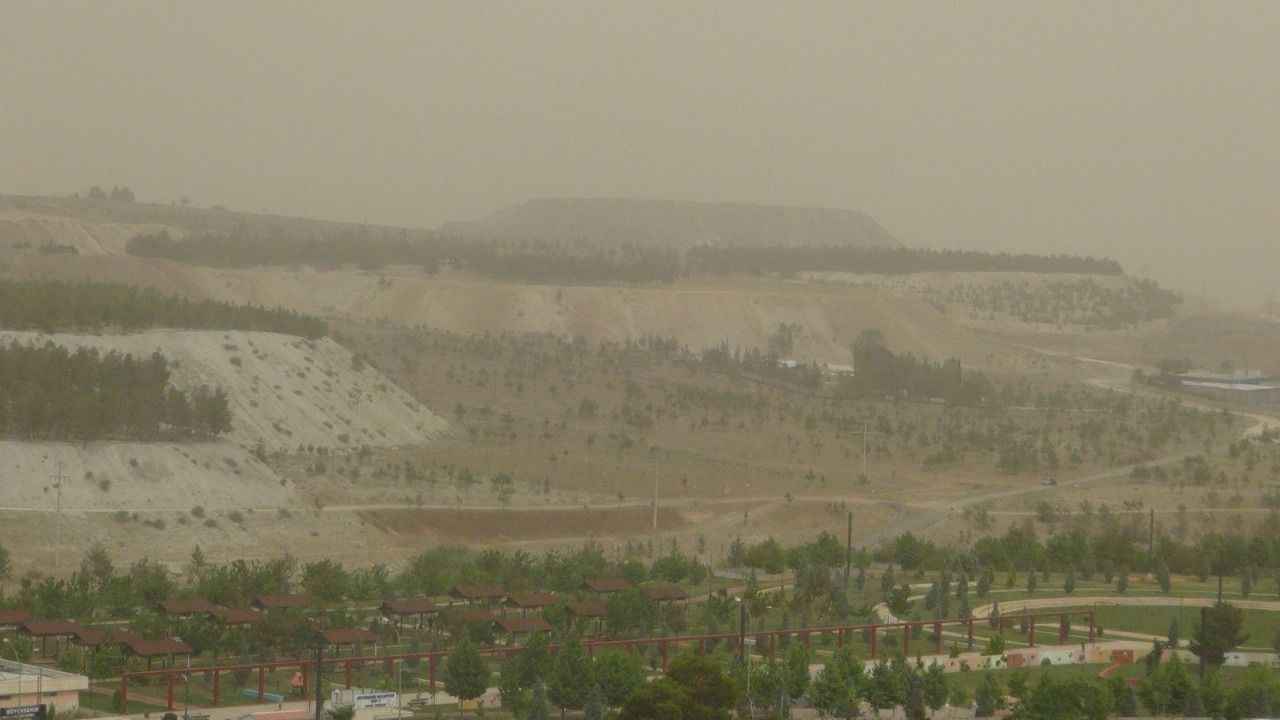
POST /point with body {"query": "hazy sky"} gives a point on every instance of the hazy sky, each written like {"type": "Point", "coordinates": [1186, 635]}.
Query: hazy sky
{"type": "Point", "coordinates": [1147, 131]}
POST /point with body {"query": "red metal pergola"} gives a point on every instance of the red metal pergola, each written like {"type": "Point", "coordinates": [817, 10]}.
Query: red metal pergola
{"type": "Point", "coordinates": [765, 638]}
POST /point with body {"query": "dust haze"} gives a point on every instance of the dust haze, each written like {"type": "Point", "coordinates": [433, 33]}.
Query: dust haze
{"type": "Point", "coordinates": [1140, 131]}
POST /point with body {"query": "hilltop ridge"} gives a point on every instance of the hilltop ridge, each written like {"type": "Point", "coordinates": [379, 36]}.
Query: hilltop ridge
{"type": "Point", "coordinates": [677, 224]}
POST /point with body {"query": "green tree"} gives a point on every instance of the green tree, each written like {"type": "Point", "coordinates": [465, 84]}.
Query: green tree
{"type": "Point", "coordinates": [1019, 687]}
{"type": "Point", "coordinates": [1069, 583]}
{"type": "Point", "coordinates": [989, 696]}
{"type": "Point", "coordinates": [1165, 688]}
{"type": "Point", "coordinates": [711, 692]}
{"type": "Point", "coordinates": [1257, 695]}
{"type": "Point", "coordinates": [797, 671]}
{"type": "Point", "coordinates": [1163, 577]}
{"type": "Point", "coordinates": [1220, 631]}
{"type": "Point", "coordinates": [465, 674]}
{"type": "Point", "coordinates": [570, 679]}
{"type": "Point", "coordinates": [914, 707]}
{"type": "Point", "coordinates": [664, 699]}
{"type": "Point", "coordinates": [1213, 694]}
{"type": "Point", "coordinates": [618, 674]}
{"type": "Point", "coordinates": [1122, 697]}
{"type": "Point", "coordinates": [594, 708]}
{"type": "Point", "coordinates": [1077, 698]}
{"type": "Point", "coordinates": [935, 687]}
{"type": "Point", "coordinates": [832, 694]}
{"type": "Point", "coordinates": [537, 708]}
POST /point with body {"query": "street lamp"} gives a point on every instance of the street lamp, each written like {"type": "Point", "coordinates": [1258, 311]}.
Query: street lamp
{"type": "Point", "coordinates": [743, 657]}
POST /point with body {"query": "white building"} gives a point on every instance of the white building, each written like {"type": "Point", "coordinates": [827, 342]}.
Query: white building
{"type": "Point", "coordinates": [23, 685]}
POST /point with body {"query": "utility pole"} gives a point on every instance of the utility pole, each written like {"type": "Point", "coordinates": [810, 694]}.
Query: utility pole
{"type": "Point", "coordinates": [57, 479]}
{"type": "Point", "coordinates": [654, 470]}
{"type": "Point", "coordinates": [1151, 541]}
{"type": "Point", "coordinates": [866, 432]}
{"type": "Point", "coordinates": [848, 552]}
{"type": "Point", "coordinates": [319, 682]}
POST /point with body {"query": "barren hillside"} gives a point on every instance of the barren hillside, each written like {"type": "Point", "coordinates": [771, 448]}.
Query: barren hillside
{"type": "Point", "coordinates": [284, 391]}
{"type": "Point", "coordinates": [27, 232]}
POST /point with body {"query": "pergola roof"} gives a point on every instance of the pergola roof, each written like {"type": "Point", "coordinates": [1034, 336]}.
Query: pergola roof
{"type": "Point", "coordinates": [663, 592]}
{"type": "Point", "coordinates": [51, 628]}
{"type": "Point", "coordinates": [473, 616]}
{"type": "Point", "coordinates": [349, 636]}
{"type": "Point", "coordinates": [478, 592]}
{"type": "Point", "coordinates": [531, 600]}
{"type": "Point", "coordinates": [236, 616]}
{"type": "Point", "coordinates": [10, 618]}
{"type": "Point", "coordinates": [607, 585]}
{"type": "Point", "coordinates": [93, 637]}
{"type": "Point", "coordinates": [408, 606]}
{"type": "Point", "coordinates": [522, 624]}
{"type": "Point", "coordinates": [272, 602]}
{"type": "Point", "coordinates": [588, 609]}
{"type": "Point", "coordinates": [155, 648]}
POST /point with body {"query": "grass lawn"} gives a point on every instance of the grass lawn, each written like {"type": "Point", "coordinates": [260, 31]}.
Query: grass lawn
{"type": "Point", "coordinates": [102, 703]}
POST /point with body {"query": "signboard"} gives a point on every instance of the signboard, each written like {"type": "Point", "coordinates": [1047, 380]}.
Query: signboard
{"type": "Point", "coordinates": [361, 699]}
{"type": "Point", "coordinates": [23, 711]}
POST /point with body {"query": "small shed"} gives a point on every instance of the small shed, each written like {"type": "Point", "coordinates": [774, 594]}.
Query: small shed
{"type": "Point", "coordinates": [588, 612]}
{"type": "Point", "coordinates": [12, 619]}
{"type": "Point", "coordinates": [152, 649]}
{"type": "Point", "coordinates": [664, 592]}
{"type": "Point", "coordinates": [526, 601]}
{"type": "Point", "coordinates": [282, 602]}
{"type": "Point", "coordinates": [59, 630]}
{"type": "Point", "coordinates": [607, 586]}
{"type": "Point", "coordinates": [95, 638]}
{"type": "Point", "coordinates": [236, 617]}
{"type": "Point", "coordinates": [519, 628]}
{"type": "Point", "coordinates": [484, 594]}
{"type": "Point", "coordinates": [349, 637]}
{"type": "Point", "coordinates": [401, 608]}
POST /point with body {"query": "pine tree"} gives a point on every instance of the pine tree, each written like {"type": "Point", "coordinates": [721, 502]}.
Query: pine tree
{"type": "Point", "coordinates": [989, 697]}
{"type": "Point", "coordinates": [538, 709]}
{"type": "Point", "coordinates": [465, 675]}
{"type": "Point", "coordinates": [1162, 576]}
{"type": "Point", "coordinates": [594, 709]}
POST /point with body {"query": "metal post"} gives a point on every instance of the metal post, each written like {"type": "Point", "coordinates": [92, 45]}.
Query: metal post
{"type": "Point", "coordinates": [124, 691]}
{"type": "Point", "coordinates": [873, 641]}
{"type": "Point", "coordinates": [217, 687]}
{"type": "Point", "coordinates": [1031, 631]}
{"type": "Point", "coordinates": [906, 640]}
{"type": "Point", "coordinates": [848, 552]}
{"type": "Point", "coordinates": [662, 650]}
{"type": "Point", "coordinates": [1091, 627]}
{"type": "Point", "coordinates": [970, 632]}
{"type": "Point", "coordinates": [347, 671]}
{"type": "Point", "coordinates": [937, 631]}
{"type": "Point", "coordinates": [742, 630]}
{"type": "Point", "coordinates": [319, 681]}
{"type": "Point", "coordinates": [431, 672]}
{"type": "Point", "coordinates": [1064, 629]}
{"type": "Point", "coordinates": [168, 695]}
{"type": "Point", "coordinates": [262, 682]}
